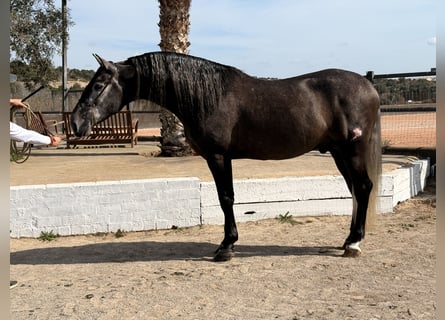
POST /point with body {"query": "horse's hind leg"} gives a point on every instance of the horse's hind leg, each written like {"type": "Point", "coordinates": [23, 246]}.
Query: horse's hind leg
{"type": "Point", "coordinates": [343, 168]}
{"type": "Point", "coordinates": [221, 168]}
{"type": "Point", "coordinates": [352, 164]}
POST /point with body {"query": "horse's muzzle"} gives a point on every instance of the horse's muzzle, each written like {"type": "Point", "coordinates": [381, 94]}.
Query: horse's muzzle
{"type": "Point", "coordinates": [80, 126]}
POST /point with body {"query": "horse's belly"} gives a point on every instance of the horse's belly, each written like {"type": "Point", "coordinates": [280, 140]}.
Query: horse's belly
{"type": "Point", "coordinates": [271, 149]}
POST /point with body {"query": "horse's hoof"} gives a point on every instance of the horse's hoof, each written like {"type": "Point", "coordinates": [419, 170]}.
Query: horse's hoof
{"type": "Point", "coordinates": [352, 252]}
{"type": "Point", "coordinates": [347, 243]}
{"type": "Point", "coordinates": [224, 254]}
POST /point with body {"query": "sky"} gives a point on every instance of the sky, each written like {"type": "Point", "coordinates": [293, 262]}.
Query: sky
{"type": "Point", "coordinates": [267, 38]}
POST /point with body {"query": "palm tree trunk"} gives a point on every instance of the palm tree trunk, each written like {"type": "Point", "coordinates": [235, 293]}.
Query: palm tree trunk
{"type": "Point", "coordinates": [174, 26]}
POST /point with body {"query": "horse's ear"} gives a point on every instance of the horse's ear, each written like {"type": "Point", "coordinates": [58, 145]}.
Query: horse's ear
{"type": "Point", "coordinates": [98, 59]}
{"type": "Point", "coordinates": [104, 63]}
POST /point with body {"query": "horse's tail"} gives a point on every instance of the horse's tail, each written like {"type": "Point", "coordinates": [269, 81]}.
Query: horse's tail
{"type": "Point", "coordinates": [374, 168]}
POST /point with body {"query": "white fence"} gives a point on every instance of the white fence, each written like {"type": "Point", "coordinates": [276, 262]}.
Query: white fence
{"type": "Point", "coordinates": [136, 205]}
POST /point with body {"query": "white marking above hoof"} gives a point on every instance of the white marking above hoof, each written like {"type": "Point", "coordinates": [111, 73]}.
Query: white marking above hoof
{"type": "Point", "coordinates": [354, 246]}
{"type": "Point", "coordinates": [352, 250]}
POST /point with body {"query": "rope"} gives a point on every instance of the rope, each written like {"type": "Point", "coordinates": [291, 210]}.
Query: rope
{"type": "Point", "coordinates": [20, 152]}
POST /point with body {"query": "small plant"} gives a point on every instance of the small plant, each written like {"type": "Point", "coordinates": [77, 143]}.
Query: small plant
{"type": "Point", "coordinates": [287, 218]}
{"type": "Point", "coordinates": [407, 226]}
{"type": "Point", "coordinates": [119, 233]}
{"type": "Point", "coordinates": [47, 236]}
{"type": "Point", "coordinates": [386, 143]}
{"type": "Point", "coordinates": [177, 229]}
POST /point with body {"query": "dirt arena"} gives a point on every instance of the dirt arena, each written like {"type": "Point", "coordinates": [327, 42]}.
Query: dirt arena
{"type": "Point", "coordinates": [280, 271]}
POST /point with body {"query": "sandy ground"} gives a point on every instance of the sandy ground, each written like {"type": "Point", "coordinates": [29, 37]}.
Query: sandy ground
{"type": "Point", "coordinates": [280, 271]}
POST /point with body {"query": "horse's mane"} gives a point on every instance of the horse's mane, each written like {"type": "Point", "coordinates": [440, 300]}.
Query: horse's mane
{"type": "Point", "coordinates": [194, 84]}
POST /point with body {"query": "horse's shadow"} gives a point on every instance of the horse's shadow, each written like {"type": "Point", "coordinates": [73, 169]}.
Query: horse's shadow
{"type": "Point", "coordinates": [154, 251]}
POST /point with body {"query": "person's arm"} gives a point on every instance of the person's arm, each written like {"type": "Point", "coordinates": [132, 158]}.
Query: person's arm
{"type": "Point", "coordinates": [21, 134]}
{"type": "Point", "coordinates": [29, 136]}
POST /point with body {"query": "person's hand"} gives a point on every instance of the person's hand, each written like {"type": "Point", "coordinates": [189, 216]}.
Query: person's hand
{"type": "Point", "coordinates": [55, 140]}
{"type": "Point", "coordinates": [17, 103]}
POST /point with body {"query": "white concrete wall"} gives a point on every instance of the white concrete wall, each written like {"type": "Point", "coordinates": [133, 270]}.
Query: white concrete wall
{"type": "Point", "coordinates": [134, 205]}
{"type": "Point", "coordinates": [85, 208]}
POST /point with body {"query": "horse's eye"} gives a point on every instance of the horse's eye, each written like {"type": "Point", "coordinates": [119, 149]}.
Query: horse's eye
{"type": "Point", "coordinates": [98, 86]}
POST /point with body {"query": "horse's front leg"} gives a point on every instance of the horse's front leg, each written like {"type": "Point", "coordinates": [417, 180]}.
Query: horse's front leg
{"type": "Point", "coordinates": [221, 168]}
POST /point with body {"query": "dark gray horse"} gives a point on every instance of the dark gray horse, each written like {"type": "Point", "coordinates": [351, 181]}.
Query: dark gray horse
{"type": "Point", "coordinates": [228, 114]}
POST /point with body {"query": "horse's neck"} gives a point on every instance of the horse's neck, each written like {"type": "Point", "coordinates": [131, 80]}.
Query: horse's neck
{"type": "Point", "coordinates": [158, 94]}
{"type": "Point", "coordinates": [184, 92]}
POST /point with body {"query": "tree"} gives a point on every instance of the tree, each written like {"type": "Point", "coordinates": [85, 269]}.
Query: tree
{"type": "Point", "coordinates": [400, 91]}
{"type": "Point", "coordinates": [174, 25]}
{"type": "Point", "coordinates": [36, 33]}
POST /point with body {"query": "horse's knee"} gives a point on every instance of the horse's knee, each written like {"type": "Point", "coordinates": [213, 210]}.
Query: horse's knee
{"type": "Point", "coordinates": [363, 187]}
{"type": "Point", "coordinates": [226, 201]}
{"type": "Point", "coordinates": [368, 185]}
